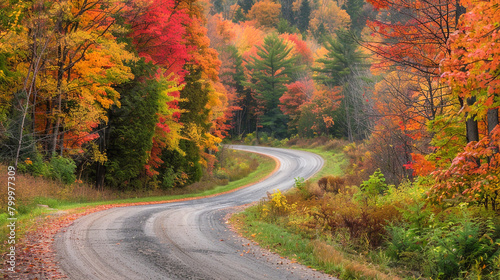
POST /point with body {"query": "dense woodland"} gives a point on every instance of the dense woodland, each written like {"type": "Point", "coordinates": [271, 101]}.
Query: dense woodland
{"type": "Point", "coordinates": [140, 93]}
{"type": "Point", "coordinates": [134, 95]}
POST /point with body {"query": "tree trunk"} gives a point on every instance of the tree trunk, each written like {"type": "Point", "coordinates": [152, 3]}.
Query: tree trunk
{"type": "Point", "coordinates": [55, 129]}
{"type": "Point", "coordinates": [492, 119]}
{"type": "Point", "coordinates": [257, 132]}
{"type": "Point", "coordinates": [471, 124]}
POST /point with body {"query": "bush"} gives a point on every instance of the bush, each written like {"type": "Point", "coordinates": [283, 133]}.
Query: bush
{"type": "Point", "coordinates": [373, 188]}
{"type": "Point", "coordinates": [332, 184]}
{"type": "Point", "coordinates": [59, 168]}
{"type": "Point", "coordinates": [453, 244]}
{"type": "Point", "coordinates": [302, 187]}
{"type": "Point", "coordinates": [334, 145]}
{"type": "Point", "coordinates": [63, 169]}
{"type": "Point", "coordinates": [375, 185]}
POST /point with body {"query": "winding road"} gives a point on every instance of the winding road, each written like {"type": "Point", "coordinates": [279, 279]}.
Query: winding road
{"type": "Point", "coordinates": [182, 240]}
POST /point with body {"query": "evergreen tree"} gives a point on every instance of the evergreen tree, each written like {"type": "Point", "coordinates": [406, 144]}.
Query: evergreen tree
{"type": "Point", "coordinates": [339, 68]}
{"type": "Point", "coordinates": [320, 33]}
{"type": "Point", "coordinates": [246, 5]}
{"type": "Point", "coordinates": [239, 16]}
{"type": "Point", "coordinates": [354, 9]}
{"type": "Point", "coordinates": [217, 7]}
{"type": "Point", "coordinates": [271, 70]}
{"type": "Point", "coordinates": [304, 16]}
{"type": "Point", "coordinates": [285, 27]}
{"type": "Point", "coordinates": [244, 119]}
{"type": "Point", "coordinates": [342, 57]}
{"type": "Point", "coordinates": [287, 11]}
{"type": "Point", "coordinates": [128, 139]}
{"type": "Point", "coordinates": [194, 98]}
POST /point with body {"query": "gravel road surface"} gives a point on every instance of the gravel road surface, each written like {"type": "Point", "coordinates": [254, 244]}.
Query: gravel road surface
{"type": "Point", "coordinates": [182, 240]}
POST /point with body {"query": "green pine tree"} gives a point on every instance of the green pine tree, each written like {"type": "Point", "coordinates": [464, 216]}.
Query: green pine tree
{"type": "Point", "coordinates": [129, 136]}
{"type": "Point", "coordinates": [354, 9]}
{"type": "Point", "coordinates": [239, 16]}
{"type": "Point", "coordinates": [246, 5]}
{"type": "Point", "coordinates": [271, 70]}
{"type": "Point", "coordinates": [342, 58]}
{"type": "Point", "coordinates": [304, 16]}
{"type": "Point", "coordinates": [338, 69]}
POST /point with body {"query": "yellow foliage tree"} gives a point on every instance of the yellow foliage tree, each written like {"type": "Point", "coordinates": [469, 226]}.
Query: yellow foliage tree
{"type": "Point", "coordinates": [265, 13]}
{"type": "Point", "coordinates": [327, 17]}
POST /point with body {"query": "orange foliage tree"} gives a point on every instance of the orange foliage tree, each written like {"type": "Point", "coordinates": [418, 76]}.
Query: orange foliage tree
{"type": "Point", "coordinates": [266, 13]}
{"type": "Point", "coordinates": [471, 70]}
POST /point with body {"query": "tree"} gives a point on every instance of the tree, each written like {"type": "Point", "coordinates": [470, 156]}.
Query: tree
{"type": "Point", "coordinates": [471, 70]}
{"type": "Point", "coordinates": [271, 69]}
{"type": "Point", "coordinates": [291, 101]}
{"type": "Point", "coordinates": [158, 32]}
{"type": "Point", "coordinates": [354, 9]}
{"type": "Point", "coordinates": [128, 140]}
{"type": "Point", "coordinates": [71, 62]}
{"type": "Point", "coordinates": [317, 114]}
{"type": "Point", "coordinates": [415, 35]}
{"type": "Point", "coordinates": [304, 15]}
{"type": "Point", "coordinates": [326, 18]}
{"type": "Point", "coordinates": [266, 13]}
{"type": "Point", "coordinates": [246, 5]}
{"type": "Point", "coordinates": [472, 67]}
{"type": "Point", "coordinates": [287, 11]}
{"type": "Point", "coordinates": [337, 69]}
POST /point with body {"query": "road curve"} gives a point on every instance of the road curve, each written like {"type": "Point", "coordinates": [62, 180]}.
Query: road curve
{"type": "Point", "coordinates": [181, 240]}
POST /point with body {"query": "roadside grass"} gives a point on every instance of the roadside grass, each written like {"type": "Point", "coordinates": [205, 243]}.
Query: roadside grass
{"type": "Point", "coordinates": [335, 162]}
{"type": "Point", "coordinates": [315, 253]}
{"type": "Point", "coordinates": [37, 197]}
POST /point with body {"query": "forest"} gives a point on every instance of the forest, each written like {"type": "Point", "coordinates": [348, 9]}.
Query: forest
{"type": "Point", "coordinates": [141, 94]}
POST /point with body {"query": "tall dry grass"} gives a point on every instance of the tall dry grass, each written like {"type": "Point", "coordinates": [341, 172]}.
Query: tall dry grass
{"type": "Point", "coordinates": [348, 268]}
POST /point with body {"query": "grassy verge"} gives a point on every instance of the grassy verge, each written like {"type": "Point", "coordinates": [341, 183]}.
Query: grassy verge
{"type": "Point", "coordinates": [32, 193]}
{"type": "Point", "coordinates": [315, 253]}
{"type": "Point", "coordinates": [335, 162]}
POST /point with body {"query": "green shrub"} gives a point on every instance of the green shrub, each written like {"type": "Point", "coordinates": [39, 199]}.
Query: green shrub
{"type": "Point", "coordinates": [59, 168]}
{"type": "Point", "coordinates": [456, 247]}
{"type": "Point", "coordinates": [62, 169]}
{"type": "Point", "coordinates": [375, 185]}
{"type": "Point", "coordinates": [301, 186]}
{"type": "Point", "coordinates": [405, 246]}
{"type": "Point", "coordinates": [453, 244]}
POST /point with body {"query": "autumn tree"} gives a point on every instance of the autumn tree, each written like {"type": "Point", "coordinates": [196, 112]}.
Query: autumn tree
{"type": "Point", "coordinates": [414, 35]}
{"type": "Point", "coordinates": [297, 94]}
{"type": "Point", "coordinates": [158, 33]}
{"type": "Point", "coordinates": [317, 114]}
{"type": "Point", "coordinates": [271, 69]}
{"type": "Point", "coordinates": [266, 13]}
{"type": "Point", "coordinates": [471, 70]}
{"type": "Point", "coordinates": [326, 18]}
{"type": "Point", "coordinates": [69, 75]}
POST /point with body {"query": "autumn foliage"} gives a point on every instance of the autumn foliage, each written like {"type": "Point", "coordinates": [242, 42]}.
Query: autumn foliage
{"type": "Point", "coordinates": [79, 61]}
